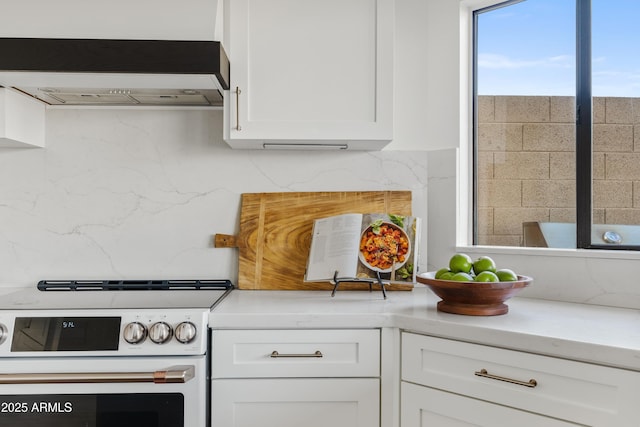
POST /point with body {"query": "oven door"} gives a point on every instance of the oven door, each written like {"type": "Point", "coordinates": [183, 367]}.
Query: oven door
{"type": "Point", "coordinates": [103, 392]}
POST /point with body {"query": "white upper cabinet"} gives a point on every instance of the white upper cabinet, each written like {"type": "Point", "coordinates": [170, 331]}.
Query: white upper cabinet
{"type": "Point", "coordinates": [113, 19]}
{"type": "Point", "coordinates": [22, 120]}
{"type": "Point", "coordinates": [309, 73]}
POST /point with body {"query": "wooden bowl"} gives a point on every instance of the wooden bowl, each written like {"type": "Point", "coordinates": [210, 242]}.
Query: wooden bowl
{"type": "Point", "coordinates": [473, 298]}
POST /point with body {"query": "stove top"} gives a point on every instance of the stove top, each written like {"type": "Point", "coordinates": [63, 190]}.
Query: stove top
{"type": "Point", "coordinates": [61, 318]}
{"type": "Point", "coordinates": [116, 294]}
{"type": "Point", "coordinates": [133, 285]}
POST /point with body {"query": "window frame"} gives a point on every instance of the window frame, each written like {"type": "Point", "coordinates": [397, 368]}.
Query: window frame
{"type": "Point", "coordinates": [583, 126]}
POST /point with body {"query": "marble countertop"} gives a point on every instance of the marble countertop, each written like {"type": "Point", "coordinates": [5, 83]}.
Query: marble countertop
{"type": "Point", "coordinates": [594, 334]}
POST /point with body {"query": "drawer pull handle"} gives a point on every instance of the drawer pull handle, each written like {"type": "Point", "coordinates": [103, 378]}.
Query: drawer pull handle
{"type": "Point", "coordinates": [238, 92]}
{"type": "Point", "coordinates": [484, 373]}
{"type": "Point", "coordinates": [318, 353]}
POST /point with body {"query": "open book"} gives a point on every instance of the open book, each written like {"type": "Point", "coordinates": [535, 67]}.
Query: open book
{"type": "Point", "coordinates": [364, 247]}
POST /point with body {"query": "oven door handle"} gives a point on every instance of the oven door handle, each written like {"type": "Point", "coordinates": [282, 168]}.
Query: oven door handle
{"type": "Point", "coordinates": [171, 375]}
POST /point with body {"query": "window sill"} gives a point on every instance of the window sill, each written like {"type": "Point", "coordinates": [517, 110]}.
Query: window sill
{"type": "Point", "coordinates": [546, 252]}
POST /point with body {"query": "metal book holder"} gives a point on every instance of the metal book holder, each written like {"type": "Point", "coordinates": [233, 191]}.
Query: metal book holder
{"type": "Point", "coordinates": [337, 280]}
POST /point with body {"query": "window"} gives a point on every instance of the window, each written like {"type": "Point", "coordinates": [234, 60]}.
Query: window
{"type": "Point", "coordinates": [556, 156]}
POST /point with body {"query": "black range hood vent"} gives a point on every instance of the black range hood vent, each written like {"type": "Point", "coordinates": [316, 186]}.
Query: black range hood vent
{"type": "Point", "coordinates": [91, 67]}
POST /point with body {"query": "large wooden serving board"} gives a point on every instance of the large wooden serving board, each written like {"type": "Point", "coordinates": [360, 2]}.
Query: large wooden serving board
{"type": "Point", "coordinates": [275, 234]}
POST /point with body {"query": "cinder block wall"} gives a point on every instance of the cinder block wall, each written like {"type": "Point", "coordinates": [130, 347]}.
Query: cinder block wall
{"type": "Point", "coordinates": [526, 163]}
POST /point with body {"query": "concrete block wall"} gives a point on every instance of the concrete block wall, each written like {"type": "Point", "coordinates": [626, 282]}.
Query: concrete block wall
{"type": "Point", "coordinates": [526, 163]}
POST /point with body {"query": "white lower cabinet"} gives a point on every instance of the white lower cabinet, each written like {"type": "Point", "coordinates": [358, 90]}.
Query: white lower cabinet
{"type": "Point", "coordinates": [447, 383]}
{"type": "Point", "coordinates": [428, 407]}
{"type": "Point", "coordinates": [351, 402]}
{"type": "Point", "coordinates": [292, 378]}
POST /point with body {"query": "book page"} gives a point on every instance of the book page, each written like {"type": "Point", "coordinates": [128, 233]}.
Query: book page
{"type": "Point", "coordinates": [334, 247]}
{"type": "Point", "coordinates": [388, 249]}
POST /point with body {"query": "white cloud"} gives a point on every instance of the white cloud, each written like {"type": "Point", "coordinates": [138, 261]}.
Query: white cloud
{"type": "Point", "coordinates": [626, 75]}
{"type": "Point", "coordinates": [497, 61]}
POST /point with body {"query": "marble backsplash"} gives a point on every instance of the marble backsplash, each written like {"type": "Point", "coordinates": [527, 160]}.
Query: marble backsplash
{"type": "Point", "coordinates": [139, 194]}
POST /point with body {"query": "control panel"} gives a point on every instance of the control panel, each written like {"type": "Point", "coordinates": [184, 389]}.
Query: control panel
{"type": "Point", "coordinates": [149, 332]}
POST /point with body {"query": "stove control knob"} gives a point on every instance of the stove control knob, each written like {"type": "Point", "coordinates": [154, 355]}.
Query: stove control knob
{"type": "Point", "coordinates": [186, 332]}
{"type": "Point", "coordinates": [160, 332]}
{"type": "Point", "coordinates": [3, 333]}
{"type": "Point", "coordinates": [135, 333]}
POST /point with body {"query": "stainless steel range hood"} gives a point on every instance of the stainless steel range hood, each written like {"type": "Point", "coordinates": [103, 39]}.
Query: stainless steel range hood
{"type": "Point", "coordinates": [113, 72]}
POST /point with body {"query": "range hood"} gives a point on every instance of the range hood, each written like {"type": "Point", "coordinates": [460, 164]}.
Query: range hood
{"type": "Point", "coordinates": [115, 72]}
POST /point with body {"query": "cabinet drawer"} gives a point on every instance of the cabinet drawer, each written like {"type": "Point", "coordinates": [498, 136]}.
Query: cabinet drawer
{"type": "Point", "coordinates": [424, 406]}
{"type": "Point", "coordinates": [295, 353]}
{"type": "Point", "coordinates": [291, 402]}
{"type": "Point", "coordinates": [580, 392]}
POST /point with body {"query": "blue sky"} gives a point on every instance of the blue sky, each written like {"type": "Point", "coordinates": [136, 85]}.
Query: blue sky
{"type": "Point", "coordinates": [529, 48]}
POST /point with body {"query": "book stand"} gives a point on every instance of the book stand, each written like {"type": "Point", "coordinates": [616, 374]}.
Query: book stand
{"type": "Point", "coordinates": [337, 280]}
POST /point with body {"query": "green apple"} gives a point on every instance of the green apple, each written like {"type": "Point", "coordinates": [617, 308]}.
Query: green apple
{"type": "Point", "coordinates": [487, 276]}
{"type": "Point", "coordinates": [506, 275]}
{"type": "Point", "coordinates": [460, 263]}
{"type": "Point", "coordinates": [484, 263]}
{"type": "Point", "coordinates": [440, 272]}
{"type": "Point", "coordinates": [462, 277]}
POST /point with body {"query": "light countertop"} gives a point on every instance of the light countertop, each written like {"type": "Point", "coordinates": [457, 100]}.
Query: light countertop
{"type": "Point", "coordinates": [595, 334]}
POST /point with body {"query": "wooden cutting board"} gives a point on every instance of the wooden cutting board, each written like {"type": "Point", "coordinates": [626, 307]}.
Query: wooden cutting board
{"type": "Point", "coordinates": [275, 234]}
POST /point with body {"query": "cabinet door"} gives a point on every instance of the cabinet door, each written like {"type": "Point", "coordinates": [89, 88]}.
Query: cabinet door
{"type": "Point", "coordinates": [427, 407]}
{"type": "Point", "coordinates": [296, 402]}
{"type": "Point", "coordinates": [309, 72]}
{"type": "Point", "coordinates": [166, 20]}
{"type": "Point", "coordinates": [581, 392]}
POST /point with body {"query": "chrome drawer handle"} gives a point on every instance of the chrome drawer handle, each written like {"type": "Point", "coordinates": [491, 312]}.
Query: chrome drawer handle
{"type": "Point", "coordinates": [484, 373]}
{"type": "Point", "coordinates": [174, 374]}
{"type": "Point", "coordinates": [318, 353]}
